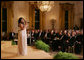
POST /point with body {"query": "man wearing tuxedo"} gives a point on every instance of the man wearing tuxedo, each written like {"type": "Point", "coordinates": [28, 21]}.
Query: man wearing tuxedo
{"type": "Point", "coordinates": [64, 39]}
{"type": "Point", "coordinates": [48, 36]}
{"type": "Point", "coordinates": [78, 44]}
{"type": "Point", "coordinates": [11, 35]}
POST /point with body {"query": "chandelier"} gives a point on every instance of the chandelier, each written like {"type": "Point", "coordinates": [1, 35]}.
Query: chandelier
{"type": "Point", "coordinates": [45, 6]}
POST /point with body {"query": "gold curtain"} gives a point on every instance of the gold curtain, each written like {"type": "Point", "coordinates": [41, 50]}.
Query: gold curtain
{"type": "Point", "coordinates": [71, 17]}
{"type": "Point", "coordinates": [61, 18]}
{"type": "Point", "coordinates": [10, 17]}
{"type": "Point", "coordinates": [32, 17]}
{"type": "Point", "coordinates": [63, 8]}
{"type": "Point", "coordinates": [42, 20]}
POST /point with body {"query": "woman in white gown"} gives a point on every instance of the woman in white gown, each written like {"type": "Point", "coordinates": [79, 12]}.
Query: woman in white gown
{"type": "Point", "coordinates": [22, 37]}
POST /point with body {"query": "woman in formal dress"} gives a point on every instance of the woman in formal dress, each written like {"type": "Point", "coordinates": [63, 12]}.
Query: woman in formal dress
{"type": "Point", "coordinates": [22, 37]}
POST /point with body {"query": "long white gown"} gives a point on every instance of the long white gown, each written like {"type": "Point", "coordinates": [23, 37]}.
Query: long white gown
{"type": "Point", "coordinates": [22, 42]}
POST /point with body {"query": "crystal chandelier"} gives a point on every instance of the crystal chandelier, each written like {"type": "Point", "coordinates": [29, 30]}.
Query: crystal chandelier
{"type": "Point", "coordinates": [45, 6]}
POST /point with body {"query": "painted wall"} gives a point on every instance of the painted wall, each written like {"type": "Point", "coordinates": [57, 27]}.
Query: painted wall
{"type": "Point", "coordinates": [21, 9]}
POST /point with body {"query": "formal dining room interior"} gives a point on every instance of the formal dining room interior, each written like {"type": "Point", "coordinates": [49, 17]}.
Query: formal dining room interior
{"type": "Point", "coordinates": [54, 29]}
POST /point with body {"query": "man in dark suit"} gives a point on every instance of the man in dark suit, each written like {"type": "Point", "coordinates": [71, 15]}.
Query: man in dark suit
{"type": "Point", "coordinates": [28, 37]}
{"type": "Point", "coordinates": [48, 37]}
{"type": "Point", "coordinates": [68, 41]}
{"type": "Point", "coordinates": [72, 41]}
{"type": "Point", "coordinates": [11, 35]}
{"type": "Point", "coordinates": [56, 41]}
{"type": "Point", "coordinates": [36, 35]}
{"type": "Point", "coordinates": [64, 40]}
{"type": "Point", "coordinates": [60, 41]}
{"type": "Point", "coordinates": [51, 38]}
{"type": "Point", "coordinates": [41, 35]}
{"type": "Point", "coordinates": [32, 33]}
{"type": "Point", "coordinates": [78, 44]}
{"type": "Point", "coordinates": [45, 36]}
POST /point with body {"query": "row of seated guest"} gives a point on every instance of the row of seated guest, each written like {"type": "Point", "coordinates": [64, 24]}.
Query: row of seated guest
{"type": "Point", "coordinates": [63, 40]}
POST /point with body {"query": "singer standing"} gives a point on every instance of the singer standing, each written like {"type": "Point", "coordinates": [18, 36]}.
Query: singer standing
{"type": "Point", "coordinates": [22, 37]}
